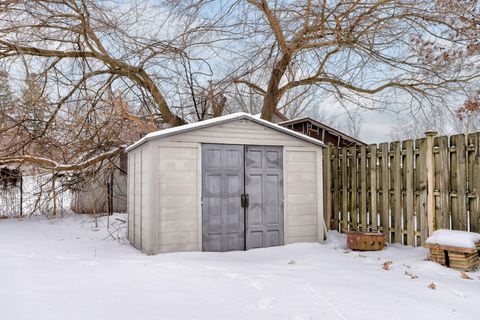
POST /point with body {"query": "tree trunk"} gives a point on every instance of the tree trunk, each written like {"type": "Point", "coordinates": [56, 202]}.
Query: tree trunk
{"type": "Point", "coordinates": [272, 95]}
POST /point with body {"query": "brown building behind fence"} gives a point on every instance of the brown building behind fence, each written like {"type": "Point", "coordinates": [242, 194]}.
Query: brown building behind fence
{"type": "Point", "coordinates": [317, 130]}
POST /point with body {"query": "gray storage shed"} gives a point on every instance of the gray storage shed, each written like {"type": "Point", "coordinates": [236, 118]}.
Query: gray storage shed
{"type": "Point", "coordinates": [230, 183]}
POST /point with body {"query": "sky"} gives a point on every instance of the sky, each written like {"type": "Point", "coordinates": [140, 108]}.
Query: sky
{"type": "Point", "coordinates": [376, 127]}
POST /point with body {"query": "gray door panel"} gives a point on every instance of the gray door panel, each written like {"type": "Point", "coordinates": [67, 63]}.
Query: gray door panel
{"type": "Point", "coordinates": [223, 183]}
{"type": "Point", "coordinates": [264, 185]}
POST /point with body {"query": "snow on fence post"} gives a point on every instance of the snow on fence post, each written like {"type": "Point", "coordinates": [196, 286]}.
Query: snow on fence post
{"type": "Point", "coordinates": [430, 166]}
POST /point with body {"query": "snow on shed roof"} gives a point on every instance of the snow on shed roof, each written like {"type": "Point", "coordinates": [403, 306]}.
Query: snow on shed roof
{"type": "Point", "coordinates": [217, 121]}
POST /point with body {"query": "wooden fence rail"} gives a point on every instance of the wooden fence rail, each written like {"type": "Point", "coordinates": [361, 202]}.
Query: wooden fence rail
{"type": "Point", "coordinates": [406, 189]}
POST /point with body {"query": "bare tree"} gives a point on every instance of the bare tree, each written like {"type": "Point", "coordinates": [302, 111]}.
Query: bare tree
{"type": "Point", "coordinates": [351, 49]}
{"type": "Point", "coordinates": [111, 72]}
{"type": "Point", "coordinates": [86, 56]}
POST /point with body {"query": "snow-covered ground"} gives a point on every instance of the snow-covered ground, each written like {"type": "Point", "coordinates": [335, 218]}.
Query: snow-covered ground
{"type": "Point", "coordinates": [66, 269]}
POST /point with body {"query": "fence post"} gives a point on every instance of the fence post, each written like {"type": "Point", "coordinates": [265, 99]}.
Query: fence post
{"type": "Point", "coordinates": [327, 185]}
{"type": "Point", "coordinates": [21, 193]}
{"type": "Point", "coordinates": [430, 182]}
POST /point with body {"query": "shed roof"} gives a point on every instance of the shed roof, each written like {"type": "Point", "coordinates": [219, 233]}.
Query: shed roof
{"type": "Point", "coordinates": [218, 121]}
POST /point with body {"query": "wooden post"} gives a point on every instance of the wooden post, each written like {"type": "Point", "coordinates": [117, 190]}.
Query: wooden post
{"type": "Point", "coordinates": [353, 188]}
{"type": "Point", "coordinates": [54, 197]}
{"type": "Point", "coordinates": [327, 185]}
{"type": "Point", "coordinates": [385, 183]}
{"type": "Point", "coordinates": [442, 181]}
{"type": "Point", "coordinates": [21, 193]}
{"type": "Point", "coordinates": [430, 182]}
{"type": "Point", "coordinates": [409, 208]}
{"type": "Point", "coordinates": [474, 181]}
{"type": "Point", "coordinates": [363, 186]}
{"type": "Point", "coordinates": [345, 226]}
{"type": "Point", "coordinates": [459, 181]}
{"type": "Point", "coordinates": [373, 187]}
{"type": "Point", "coordinates": [396, 176]}
{"type": "Point", "coordinates": [336, 190]}
{"type": "Point", "coordinates": [421, 190]}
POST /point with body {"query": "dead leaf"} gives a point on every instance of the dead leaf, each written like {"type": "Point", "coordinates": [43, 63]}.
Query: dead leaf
{"type": "Point", "coordinates": [432, 285]}
{"type": "Point", "coordinates": [465, 276]}
{"type": "Point", "coordinates": [386, 265]}
{"type": "Point", "coordinates": [411, 275]}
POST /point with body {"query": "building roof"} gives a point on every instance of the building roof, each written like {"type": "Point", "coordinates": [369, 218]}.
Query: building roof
{"type": "Point", "coordinates": [221, 120]}
{"type": "Point", "coordinates": [323, 126]}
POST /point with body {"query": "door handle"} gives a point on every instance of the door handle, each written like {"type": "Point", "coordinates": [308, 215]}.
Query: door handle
{"type": "Point", "coordinates": [244, 200]}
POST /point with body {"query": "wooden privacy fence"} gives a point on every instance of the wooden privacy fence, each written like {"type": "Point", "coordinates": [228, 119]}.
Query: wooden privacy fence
{"type": "Point", "coordinates": [406, 189]}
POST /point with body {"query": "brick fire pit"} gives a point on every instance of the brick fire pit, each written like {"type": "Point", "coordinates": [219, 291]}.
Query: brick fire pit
{"type": "Point", "coordinates": [365, 240]}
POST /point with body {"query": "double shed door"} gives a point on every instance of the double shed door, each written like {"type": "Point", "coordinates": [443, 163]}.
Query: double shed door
{"type": "Point", "coordinates": [242, 197]}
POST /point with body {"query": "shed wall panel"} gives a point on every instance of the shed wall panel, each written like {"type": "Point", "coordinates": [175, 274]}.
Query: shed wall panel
{"type": "Point", "coordinates": [145, 207]}
{"type": "Point", "coordinates": [130, 202]}
{"type": "Point", "coordinates": [178, 195]}
{"type": "Point", "coordinates": [301, 196]}
{"type": "Point", "coordinates": [137, 195]}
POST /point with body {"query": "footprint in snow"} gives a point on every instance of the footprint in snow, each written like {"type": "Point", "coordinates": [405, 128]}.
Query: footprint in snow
{"type": "Point", "coordinates": [266, 303]}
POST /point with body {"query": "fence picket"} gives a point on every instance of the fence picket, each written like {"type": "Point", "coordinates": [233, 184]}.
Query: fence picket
{"type": "Point", "coordinates": [373, 187]}
{"type": "Point", "coordinates": [336, 190]}
{"type": "Point", "coordinates": [385, 181]}
{"type": "Point", "coordinates": [421, 171]}
{"type": "Point", "coordinates": [474, 181]}
{"type": "Point", "coordinates": [327, 185]}
{"type": "Point", "coordinates": [459, 216]}
{"type": "Point", "coordinates": [353, 187]}
{"type": "Point", "coordinates": [409, 209]}
{"type": "Point", "coordinates": [442, 173]}
{"type": "Point", "coordinates": [396, 182]}
{"type": "Point", "coordinates": [344, 183]}
{"type": "Point", "coordinates": [363, 186]}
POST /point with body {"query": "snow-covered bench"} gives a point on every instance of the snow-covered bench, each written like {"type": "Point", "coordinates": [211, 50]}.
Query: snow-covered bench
{"type": "Point", "coordinates": [455, 249]}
